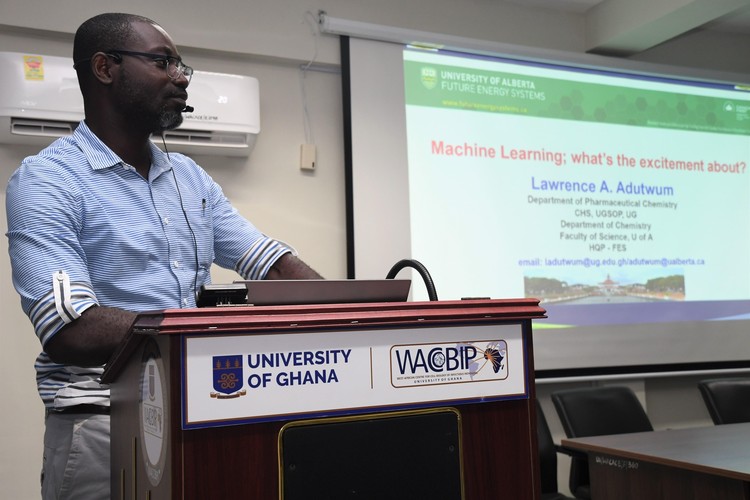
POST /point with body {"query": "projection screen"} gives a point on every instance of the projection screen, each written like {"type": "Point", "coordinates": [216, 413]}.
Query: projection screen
{"type": "Point", "coordinates": [618, 197]}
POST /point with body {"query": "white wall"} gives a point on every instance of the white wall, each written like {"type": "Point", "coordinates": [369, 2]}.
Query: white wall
{"type": "Point", "coordinates": [268, 40]}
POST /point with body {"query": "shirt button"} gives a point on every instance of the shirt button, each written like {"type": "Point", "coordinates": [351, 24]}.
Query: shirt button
{"type": "Point", "coordinates": [166, 220]}
{"type": "Point", "coordinates": [176, 263]}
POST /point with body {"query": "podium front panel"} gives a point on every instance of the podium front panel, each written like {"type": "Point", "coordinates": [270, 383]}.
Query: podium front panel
{"type": "Point", "coordinates": [398, 456]}
{"type": "Point", "coordinates": [240, 379]}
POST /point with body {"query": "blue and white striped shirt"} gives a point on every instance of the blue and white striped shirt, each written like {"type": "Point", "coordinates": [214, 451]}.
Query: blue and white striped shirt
{"type": "Point", "coordinates": [84, 228]}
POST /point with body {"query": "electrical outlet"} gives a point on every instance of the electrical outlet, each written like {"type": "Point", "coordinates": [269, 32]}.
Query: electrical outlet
{"type": "Point", "coordinates": [307, 157]}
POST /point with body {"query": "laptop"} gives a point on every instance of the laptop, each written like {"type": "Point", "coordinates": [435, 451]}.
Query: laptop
{"type": "Point", "coordinates": [292, 292]}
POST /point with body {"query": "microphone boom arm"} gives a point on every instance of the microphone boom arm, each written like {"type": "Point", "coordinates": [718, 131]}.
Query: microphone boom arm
{"type": "Point", "coordinates": [415, 264]}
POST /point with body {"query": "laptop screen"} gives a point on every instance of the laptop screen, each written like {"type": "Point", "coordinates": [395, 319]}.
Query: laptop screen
{"type": "Point", "coordinates": [292, 292]}
{"type": "Point", "coordinates": [277, 292]}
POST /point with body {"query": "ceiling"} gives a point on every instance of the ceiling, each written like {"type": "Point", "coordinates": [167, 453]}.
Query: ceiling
{"type": "Point", "coordinates": [626, 27]}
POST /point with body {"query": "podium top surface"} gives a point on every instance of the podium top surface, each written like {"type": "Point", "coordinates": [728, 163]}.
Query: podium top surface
{"type": "Point", "coordinates": [351, 315]}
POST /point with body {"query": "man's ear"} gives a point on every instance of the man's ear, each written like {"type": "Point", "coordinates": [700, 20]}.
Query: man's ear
{"type": "Point", "coordinates": [102, 67]}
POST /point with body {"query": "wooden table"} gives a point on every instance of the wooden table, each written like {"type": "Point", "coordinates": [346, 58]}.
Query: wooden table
{"type": "Point", "coordinates": [681, 464]}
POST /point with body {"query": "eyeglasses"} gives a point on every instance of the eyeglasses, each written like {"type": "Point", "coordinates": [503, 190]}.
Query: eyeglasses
{"type": "Point", "coordinates": [172, 65]}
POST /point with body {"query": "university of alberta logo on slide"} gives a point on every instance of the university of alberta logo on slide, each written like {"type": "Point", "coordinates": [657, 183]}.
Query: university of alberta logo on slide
{"type": "Point", "coordinates": [429, 77]}
{"type": "Point", "coordinates": [227, 375]}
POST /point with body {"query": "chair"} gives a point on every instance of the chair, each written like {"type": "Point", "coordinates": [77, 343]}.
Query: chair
{"type": "Point", "coordinates": [547, 458]}
{"type": "Point", "coordinates": [727, 399]}
{"type": "Point", "coordinates": [597, 411]}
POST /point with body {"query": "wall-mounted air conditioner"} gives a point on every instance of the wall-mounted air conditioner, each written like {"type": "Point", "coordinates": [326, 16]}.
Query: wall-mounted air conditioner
{"type": "Point", "coordinates": [40, 101]}
{"type": "Point", "coordinates": [39, 98]}
{"type": "Point", "coordinates": [225, 120]}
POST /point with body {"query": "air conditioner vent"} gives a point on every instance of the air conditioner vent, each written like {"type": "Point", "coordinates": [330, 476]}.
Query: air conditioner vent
{"type": "Point", "coordinates": [41, 128]}
{"type": "Point", "coordinates": [183, 136]}
{"type": "Point", "coordinates": [195, 142]}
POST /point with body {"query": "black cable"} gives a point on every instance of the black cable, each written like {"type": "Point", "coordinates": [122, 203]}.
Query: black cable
{"type": "Point", "coordinates": [415, 264]}
{"type": "Point", "coordinates": [187, 221]}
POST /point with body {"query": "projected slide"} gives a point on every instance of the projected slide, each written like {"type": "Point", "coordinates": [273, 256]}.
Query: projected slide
{"type": "Point", "coordinates": [627, 198]}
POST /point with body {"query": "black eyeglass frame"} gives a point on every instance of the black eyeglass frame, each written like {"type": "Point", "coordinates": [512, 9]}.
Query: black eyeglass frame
{"type": "Point", "coordinates": [180, 67]}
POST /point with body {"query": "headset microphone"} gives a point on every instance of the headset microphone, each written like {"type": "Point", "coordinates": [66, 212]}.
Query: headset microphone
{"type": "Point", "coordinates": [188, 109]}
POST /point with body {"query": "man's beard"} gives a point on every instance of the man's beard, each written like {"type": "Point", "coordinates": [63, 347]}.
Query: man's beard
{"type": "Point", "coordinates": [169, 120]}
{"type": "Point", "coordinates": [148, 119]}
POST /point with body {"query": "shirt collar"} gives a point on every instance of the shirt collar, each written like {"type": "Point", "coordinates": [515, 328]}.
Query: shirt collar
{"type": "Point", "coordinates": [100, 156]}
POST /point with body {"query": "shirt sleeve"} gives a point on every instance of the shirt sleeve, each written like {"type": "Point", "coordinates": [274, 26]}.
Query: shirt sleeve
{"type": "Point", "coordinates": [47, 260]}
{"type": "Point", "coordinates": [238, 244]}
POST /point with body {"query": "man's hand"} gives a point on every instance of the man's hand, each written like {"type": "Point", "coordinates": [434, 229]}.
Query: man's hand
{"type": "Point", "coordinates": [289, 267]}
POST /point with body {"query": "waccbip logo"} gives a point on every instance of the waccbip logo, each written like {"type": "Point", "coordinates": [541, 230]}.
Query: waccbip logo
{"type": "Point", "coordinates": [448, 363]}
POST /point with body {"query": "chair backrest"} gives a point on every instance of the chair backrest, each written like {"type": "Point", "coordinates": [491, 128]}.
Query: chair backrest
{"type": "Point", "coordinates": [547, 453]}
{"type": "Point", "coordinates": [727, 400]}
{"type": "Point", "coordinates": [596, 411]}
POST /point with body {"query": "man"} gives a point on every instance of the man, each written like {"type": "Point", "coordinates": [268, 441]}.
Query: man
{"type": "Point", "coordinates": [102, 225]}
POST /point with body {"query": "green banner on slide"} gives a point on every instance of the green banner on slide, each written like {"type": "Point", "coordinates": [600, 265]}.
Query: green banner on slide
{"type": "Point", "coordinates": [460, 88]}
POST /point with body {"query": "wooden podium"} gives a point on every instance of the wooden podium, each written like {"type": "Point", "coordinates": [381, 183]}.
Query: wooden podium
{"type": "Point", "coordinates": [374, 400]}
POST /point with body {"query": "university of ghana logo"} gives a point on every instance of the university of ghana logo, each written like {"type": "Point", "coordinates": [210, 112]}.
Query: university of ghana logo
{"type": "Point", "coordinates": [227, 375]}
